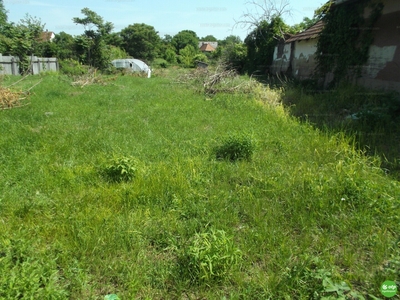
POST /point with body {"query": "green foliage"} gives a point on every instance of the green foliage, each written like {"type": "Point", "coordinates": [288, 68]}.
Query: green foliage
{"type": "Point", "coordinates": [93, 42]}
{"type": "Point", "coordinates": [159, 62]}
{"type": "Point", "coordinates": [116, 53]}
{"type": "Point", "coordinates": [283, 209]}
{"type": "Point", "coordinates": [200, 57]}
{"type": "Point", "coordinates": [235, 147]}
{"type": "Point", "coordinates": [370, 117]}
{"type": "Point", "coordinates": [235, 56]}
{"type": "Point", "coordinates": [187, 56]}
{"type": "Point", "coordinates": [343, 44]}
{"type": "Point", "coordinates": [229, 40]}
{"type": "Point", "coordinates": [72, 67]}
{"type": "Point", "coordinates": [209, 38]}
{"type": "Point", "coordinates": [3, 18]}
{"type": "Point", "coordinates": [183, 39]}
{"type": "Point", "coordinates": [141, 41]}
{"type": "Point", "coordinates": [120, 169]}
{"type": "Point", "coordinates": [22, 40]}
{"type": "Point", "coordinates": [65, 46]}
{"type": "Point", "coordinates": [211, 257]}
{"type": "Point", "coordinates": [25, 274]}
{"type": "Point", "coordinates": [170, 56]}
{"type": "Point", "coordinates": [261, 44]}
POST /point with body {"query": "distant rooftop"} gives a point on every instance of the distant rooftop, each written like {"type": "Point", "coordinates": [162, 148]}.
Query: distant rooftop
{"type": "Point", "coordinates": [207, 48]}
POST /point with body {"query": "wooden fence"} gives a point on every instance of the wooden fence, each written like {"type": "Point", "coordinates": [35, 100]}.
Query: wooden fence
{"type": "Point", "coordinates": [9, 65]}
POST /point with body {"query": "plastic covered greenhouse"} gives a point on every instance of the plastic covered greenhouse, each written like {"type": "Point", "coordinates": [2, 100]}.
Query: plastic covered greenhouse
{"type": "Point", "coordinates": [135, 65]}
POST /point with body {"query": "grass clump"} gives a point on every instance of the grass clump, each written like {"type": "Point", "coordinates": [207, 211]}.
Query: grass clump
{"type": "Point", "coordinates": [211, 257]}
{"type": "Point", "coordinates": [120, 169]}
{"type": "Point", "coordinates": [235, 147]}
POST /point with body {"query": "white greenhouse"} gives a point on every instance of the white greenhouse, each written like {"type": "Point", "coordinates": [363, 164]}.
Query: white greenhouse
{"type": "Point", "coordinates": [135, 65]}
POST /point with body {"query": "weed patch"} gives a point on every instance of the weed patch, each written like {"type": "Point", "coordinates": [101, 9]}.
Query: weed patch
{"type": "Point", "coordinates": [235, 147]}
{"type": "Point", "coordinates": [120, 168]}
{"type": "Point", "coordinates": [210, 258]}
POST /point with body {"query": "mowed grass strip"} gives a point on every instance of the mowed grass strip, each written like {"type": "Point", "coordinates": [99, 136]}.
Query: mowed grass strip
{"type": "Point", "coordinates": [307, 216]}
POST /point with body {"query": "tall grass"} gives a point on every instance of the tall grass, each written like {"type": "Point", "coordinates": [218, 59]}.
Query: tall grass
{"type": "Point", "coordinates": [370, 117]}
{"type": "Point", "coordinates": [308, 208]}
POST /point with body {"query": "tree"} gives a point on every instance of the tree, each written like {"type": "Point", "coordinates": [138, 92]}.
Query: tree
{"type": "Point", "coordinates": [170, 56]}
{"type": "Point", "coordinates": [319, 13]}
{"type": "Point", "coordinates": [187, 55]}
{"type": "Point", "coordinates": [261, 42]}
{"type": "Point", "coordinates": [22, 40]}
{"type": "Point", "coordinates": [3, 17]}
{"type": "Point", "coordinates": [263, 11]}
{"type": "Point", "coordinates": [185, 38]}
{"type": "Point", "coordinates": [94, 38]}
{"type": "Point", "coordinates": [141, 41]}
{"type": "Point", "coordinates": [167, 39]}
{"type": "Point", "coordinates": [66, 47]}
{"type": "Point", "coordinates": [114, 39]}
{"type": "Point", "coordinates": [231, 39]}
{"type": "Point", "coordinates": [235, 56]}
{"type": "Point", "coordinates": [209, 38]}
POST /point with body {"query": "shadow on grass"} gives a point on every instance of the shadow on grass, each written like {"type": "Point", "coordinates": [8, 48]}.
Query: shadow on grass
{"type": "Point", "coordinates": [370, 117]}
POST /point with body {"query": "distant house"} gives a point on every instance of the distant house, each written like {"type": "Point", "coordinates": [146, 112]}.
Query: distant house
{"type": "Point", "coordinates": [207, 46]}
{"type": "Point", "coordinates": [295, 56]}
{"type": "Point", "coordinates": [47, 36]}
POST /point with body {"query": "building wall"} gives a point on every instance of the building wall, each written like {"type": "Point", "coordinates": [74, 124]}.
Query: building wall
{"type": "Point", "coordinates": [303, 64]}
{"type": "Point", "coordinates": [383, 67]}
{"type": "Point", "coordinates": [281, 60]}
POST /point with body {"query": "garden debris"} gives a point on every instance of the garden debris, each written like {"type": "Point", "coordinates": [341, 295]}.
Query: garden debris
{"type": "Point", "coordinates": [222, 80]}
{"type": "Point", "coordinates": [92, 77]}
{"type": "Point", "coordinates": [13, 99]}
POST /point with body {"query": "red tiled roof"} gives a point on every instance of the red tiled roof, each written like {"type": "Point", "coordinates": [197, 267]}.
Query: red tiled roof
{"type": "Point", "coordinates": [207, 48]}
{"type": "Point", "coordinates": [310, 33]}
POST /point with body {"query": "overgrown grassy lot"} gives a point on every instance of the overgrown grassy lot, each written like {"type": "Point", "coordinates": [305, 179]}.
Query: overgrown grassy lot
{"type": "Point", "coordinates": [125, 189]}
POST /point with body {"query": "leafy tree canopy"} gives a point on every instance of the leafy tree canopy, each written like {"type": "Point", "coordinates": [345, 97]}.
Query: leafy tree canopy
{"type": "Point", "coordinates": [209, 38]}
{"type": "Point", "coordinates": [93, 42]}
{"type": "Point", "coordinates": [141, 41]}
{"type": "Point", "coordinates": [185, 38]}
{"type": "Point", "coordinates": [261, 43]}
{"type": "Point", "coordinates": [93, 20]}
{"type": "Point", "coordinates": [231, 39]}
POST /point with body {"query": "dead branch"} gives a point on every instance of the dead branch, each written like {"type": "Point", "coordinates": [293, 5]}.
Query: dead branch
{"type": "Point", "coordinates": [14, 99]}
{"type": "Point", "coordinates": [264, 10]}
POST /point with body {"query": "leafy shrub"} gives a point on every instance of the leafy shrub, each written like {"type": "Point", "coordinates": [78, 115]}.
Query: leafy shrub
{"type": "Point", "coordinates": [120, 169]}
{"type": "Point", "coordinates": [72, 67]}
{"type": "Point", "coordinates": [159, 62]}
{"type": "Point", "coordinates": [211, 257]}
{"type": "Point", "coordinates": [235, 147]}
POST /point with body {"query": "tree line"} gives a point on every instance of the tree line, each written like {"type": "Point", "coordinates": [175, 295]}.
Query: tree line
{"type": "Point", "coordinates": [98, 45]}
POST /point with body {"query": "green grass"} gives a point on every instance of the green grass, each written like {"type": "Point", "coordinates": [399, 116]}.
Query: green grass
{"type": "Point", "coordinates": [370, 117]}
{"type": "Point", "coordinates": [307, 216]}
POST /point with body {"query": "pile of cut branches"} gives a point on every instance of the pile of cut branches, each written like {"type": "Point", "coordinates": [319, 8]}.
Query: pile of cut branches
{"type": "Point", "coordinates": [221, 80]}
{"type": "Point", "coordinates": [92, 77]}
{"type": "Point", "coordinates": [12, 99]}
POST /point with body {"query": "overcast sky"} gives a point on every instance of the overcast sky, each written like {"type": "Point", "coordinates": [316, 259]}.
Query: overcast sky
{"type": "Point", "coordinates": [215, 17]}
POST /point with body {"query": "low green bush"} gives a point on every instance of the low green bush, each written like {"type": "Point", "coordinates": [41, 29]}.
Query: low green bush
{"type": "Point", "coordinates": [235, 147]}
{"type": "Point", "coordinates": [120, 169]}
{"type": "Point", "coordinates": [72, 67]}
